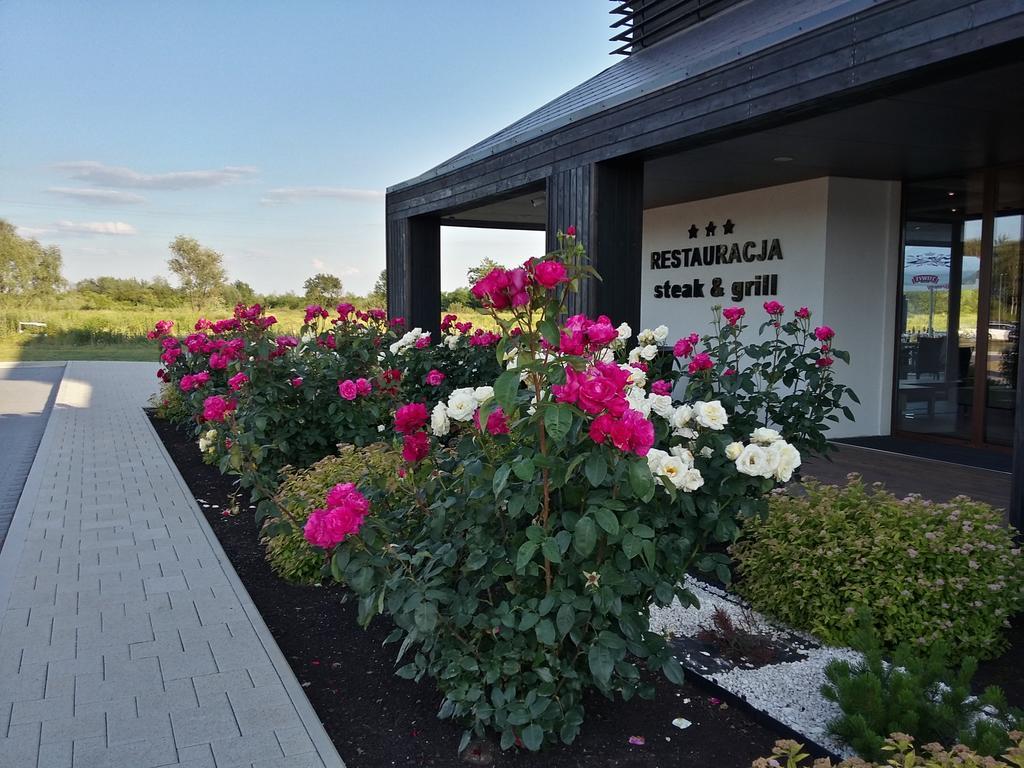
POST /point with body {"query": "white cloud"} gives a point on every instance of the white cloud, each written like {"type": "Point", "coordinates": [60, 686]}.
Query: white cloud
{"type": "Point", "coordinates": [88, 195]}
{"type": "Point", "coordinates": [319, 264]}
{"type": "Point", "coordinates": [96, 228]}
{"type": "Point", "coordinates": [119, 176]}
{"type": "Point", "coordinates": [32, 232]}
{"type": "Point", "coordinates": [293, 194]}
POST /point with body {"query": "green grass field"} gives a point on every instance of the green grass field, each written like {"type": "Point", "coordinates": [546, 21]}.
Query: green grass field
{"type": "Point", "coordinates": [119, 334]}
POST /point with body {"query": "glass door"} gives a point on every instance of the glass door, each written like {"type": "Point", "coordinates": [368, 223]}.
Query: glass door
{"type": "Point", "coordinates": [960, 303]}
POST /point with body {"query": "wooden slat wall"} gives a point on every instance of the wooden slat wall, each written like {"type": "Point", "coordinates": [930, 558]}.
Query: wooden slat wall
{"type": "Point", "coordinates": [618, 221]}
{"type": "Point", "coordinates": [569, 204]}
{"type": "Point", "coordinates": [397, 247]}
{"type": "Point", "coordinates": [895, 43]}
{"type": "Point", "coordinates": [414, 271]}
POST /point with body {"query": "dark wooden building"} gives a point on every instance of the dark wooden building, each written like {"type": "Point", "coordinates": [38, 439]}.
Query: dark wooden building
{"type": "Point", "coordinates": [876, 145]}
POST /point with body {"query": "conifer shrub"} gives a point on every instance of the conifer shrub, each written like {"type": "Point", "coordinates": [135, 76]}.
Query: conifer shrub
{"type": "Point", "coordinates": [292, 557]}
{"type": "Point", "coordinates": [926, 571]}
{"type": "Point", "coordinates": [917, 694]}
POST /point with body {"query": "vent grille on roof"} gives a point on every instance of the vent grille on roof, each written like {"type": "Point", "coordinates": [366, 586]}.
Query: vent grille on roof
{"type": "Point", "coordinates": [642, 23]}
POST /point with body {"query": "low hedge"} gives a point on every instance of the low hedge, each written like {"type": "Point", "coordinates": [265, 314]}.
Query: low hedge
{"type": "Point", "coordinates": [301, 490]}
{"type": "Point", "coordinates": [925, 570]}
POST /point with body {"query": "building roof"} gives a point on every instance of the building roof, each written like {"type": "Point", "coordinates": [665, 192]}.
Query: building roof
{"type": "Point", "coordinates": [735, 33]}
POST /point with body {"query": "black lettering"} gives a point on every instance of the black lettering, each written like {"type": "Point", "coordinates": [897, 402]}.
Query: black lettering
{"type": "Point", "coordinates": [709, 255]}
{"type": "Point", "coordinates": [746, 251]}
{"type": "Point", "coordinates": [775, 284]}
{"type": "Point", "coordinates": [737, 291]}
{"type": "Point", "coordinates": [775, 252]}
{"type": "Point", "coordinates": [749, 256]}
{"type": "Point", "coordinates": [658, 291]}
{"type": "Point", "coordinates": [655, 260]}
{"type": "Point", "coordinates": [677, 291]}
{"type": "Point", "coordinates": [686, 256]}
{"type": "Point", "coordinates": [716, 288]}
{"type": "Point", "coordinates": [752, 286]}
{"type": "Point", "coordinates": [698, 289]}
{"type": "Point", "coordinates": [676, 261]}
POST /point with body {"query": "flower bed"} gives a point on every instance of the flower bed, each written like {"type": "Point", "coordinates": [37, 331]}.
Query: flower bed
{"type": "Point", "coordinates": [541, 512]}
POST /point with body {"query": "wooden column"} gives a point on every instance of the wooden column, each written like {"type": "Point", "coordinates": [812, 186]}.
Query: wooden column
{"type": "Point", "coordinates": [414, 271]}
{"type": "Point", "coordinates": [604, 201]}
{"type": "Point", "coordinates": [1016, 511]}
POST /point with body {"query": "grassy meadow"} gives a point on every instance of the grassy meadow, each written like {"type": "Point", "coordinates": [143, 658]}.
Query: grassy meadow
{"type": "Point", "coordinates": [81, 333]}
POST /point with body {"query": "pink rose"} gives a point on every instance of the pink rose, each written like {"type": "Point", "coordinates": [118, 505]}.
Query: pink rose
{"type": "Point", "coordinates": [296, 382]}
{"type": "Point", "coordinates": [215, 408]}
{"type": "Point", "coordinates": [549, 274]}
{"type": "Point", "coordinates": [774, 308]}
{"type": "Point", "coordinates": [824, 362]}
{"type": "Point", "coordinates": [661, 387]}
{"type": "Point", "coordinates": [733, 314]}
{"type": "Point", "coordinates": [571, 230]}
{"type": "Point", "coordinates": [701, 362]}
{"type": "Point", "coordinates": [347, 389]}
{"type": "Point", "coordinates": [363, 386]}
{"type": "Point", "coordinates": [824, 333]}
{"type": "Point", "coordinates": [415, 447]}
{"type": "Point", "coordinates": [423, 342]}
{"type": "Point", "coordinates": [410, 417]}
{"type": "Point", "coordinates": [803, 313]}
{"type": "Point", "coordinates": [497, 424]}
{"type": "Point", "coordinates": [435, 377]}
{"type": "Point", "coordinates": [237, 381]}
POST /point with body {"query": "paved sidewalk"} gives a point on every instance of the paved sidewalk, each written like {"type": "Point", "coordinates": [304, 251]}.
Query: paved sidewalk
{"type": "Point", "coordinates": [27, 392]}
{"type": "Point", "coordinates": [126, 639]}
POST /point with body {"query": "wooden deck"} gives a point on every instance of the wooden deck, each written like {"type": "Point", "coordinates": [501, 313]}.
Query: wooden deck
{"type": "Point", "coordinates": [902, 474]}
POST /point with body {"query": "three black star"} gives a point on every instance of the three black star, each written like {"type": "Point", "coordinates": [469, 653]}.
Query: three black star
{"type": "Point", "coordinates": [693, 231]}
{"type": "Point", "coordinates": [709, 230]}
{"type": "Point", "coordinates": [728, 227]}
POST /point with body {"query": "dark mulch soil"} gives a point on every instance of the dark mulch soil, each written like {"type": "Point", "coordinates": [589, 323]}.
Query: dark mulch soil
{"type": "Point", "coordinates": [377, 719]}
{"type": "Point", "coordinates": [1006, 671]}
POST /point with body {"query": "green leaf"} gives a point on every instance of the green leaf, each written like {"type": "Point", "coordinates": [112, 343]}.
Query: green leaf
{"type": "Point", "coordinates": [525, 554]}
{"type": "Point", "coordinates": [524, 469]}
{"type": "Point", "coordinates": [549, 331]}
{"type": "Point", "coordinates": [500, 478]}
{"type": "Point", "coordinates": [596, 468]}
{"type": "Point", "coordinates": [528, 621]}
{"type": "Point", "coordinates": [425, 617]}
{"type": "Point", "coordinates": [673, 670]}
{"type": "Point", "coordinates": [550, 550]}
{"type": "Point", "coordinates": [532, 737]}
{"type": "Point", "coordinates": [585, 536]}
{"type": "Point", "coordinates": [557, 421]}
{"type": "Point", "coordinates": [545, 632]}
{"type": "Point", "coordinates": [640, 478]}
{"type": "Point", "coordinates": [607, 520]}
{"type": "Point", "coordinates": [505, 390]}
{"type": "Point", "coordinates": [564, 619]}
{"type": "Point", "coordinates": [601, 663]}
{"type": "Point", "coordinates": [631, 545]}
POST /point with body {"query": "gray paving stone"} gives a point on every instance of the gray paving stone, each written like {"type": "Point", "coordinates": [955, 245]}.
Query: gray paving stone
{"type": "Point", "coordinates": [125, 639]}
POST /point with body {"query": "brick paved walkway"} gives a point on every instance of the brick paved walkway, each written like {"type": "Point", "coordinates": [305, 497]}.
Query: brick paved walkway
{"type": "Point", "coordinates": [26, 395]}
{"type": "Point", "coordinates": [127, 640]}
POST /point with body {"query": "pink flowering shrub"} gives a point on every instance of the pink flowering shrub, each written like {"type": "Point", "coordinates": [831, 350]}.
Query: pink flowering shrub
{"type": "Point", "coordinates": [548, 507]}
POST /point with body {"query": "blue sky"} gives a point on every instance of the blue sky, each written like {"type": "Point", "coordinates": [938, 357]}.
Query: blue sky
{"type": "Point", "coordinates": [267, 130]}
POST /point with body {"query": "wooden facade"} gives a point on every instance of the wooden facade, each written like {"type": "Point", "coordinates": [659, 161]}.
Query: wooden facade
{"type": "Point", "coordinates": [588, 148]}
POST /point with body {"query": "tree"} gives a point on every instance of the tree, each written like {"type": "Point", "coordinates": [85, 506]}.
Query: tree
{"type": "Point", "coordinates": [379, 295]}
{"type": "Point", "coordinates": [474, 274]}
{"type": "Point", "coordinates": [27, 268]}
{"type": "Point", "coordinates": [200, 270]}
{"type": "Point", "coordinates": [322, 289]}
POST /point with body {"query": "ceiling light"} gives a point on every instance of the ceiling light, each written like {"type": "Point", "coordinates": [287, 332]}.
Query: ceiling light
{"type": "Point", "coordinates": [782, 159]}
{"type": "Point", "coordinates": [951, 193]}
{"type": "Point", "coordinates": [537, 202]}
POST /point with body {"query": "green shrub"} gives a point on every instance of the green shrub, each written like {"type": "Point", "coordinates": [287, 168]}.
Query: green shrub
{"type": "Point", "coordinates": [293, 558]}
{"type": "Point", "coordinates": [915, 694]}
{"type": "Point", "coordinates": [901, 754]}
{"type": "Point", "coordinates": [925, 570]}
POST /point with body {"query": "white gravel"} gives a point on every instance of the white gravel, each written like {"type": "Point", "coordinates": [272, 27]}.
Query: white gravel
{"type": "Point", "coordinates": [787, 691]}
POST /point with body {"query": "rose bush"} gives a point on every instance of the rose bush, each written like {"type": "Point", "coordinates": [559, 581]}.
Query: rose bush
{"type": "Point", "coordinates": [545, 513]}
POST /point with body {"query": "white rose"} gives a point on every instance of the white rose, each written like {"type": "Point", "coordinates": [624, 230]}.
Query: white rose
{"type": "Point", "coordinates": [646, 336]}
{"type": "Point", "coordinates": [764, 436]}
{"type": "Point", "coordinates": [451, 341]}
{"type": "Point", "coordinates": [707, 452]}
{"type": "Point", "coordinates": [711, 414]}
{"type": "Point", "coordinates": [661, 405]}
{"type": "Point", "coordinates": [634, 355]}
{"type": "Point", "coordinates": [637, 376]}
{"type": "Point", "coordinates": [681, 419]}
{"type": "Point", "coordinates": [660, 334]}
{"type": "Point", "coordinates": [733, 451]}
{"type": "Point", "coordinates": [649, 352]}
{"type": "Point", "coordinates": [625, 332]}
{"type": "Point", "coordinates": [483, 394]}
{"type": "Point", "coordinates": [691, 480]}
{"type": "Point", "coordinates": [606, 355]}
{"type": "Point", "coordinates": [462, 404]}
{"type": "Point", "coordinates": [682, 454]}
{"type": "Point", "coordinates": [785, 458]}
{"type": "Point", "coordinates": [673, 470]}
{"type": "Point", "coordinates": [754, 461]}
{"type": "Point", "coordinates": [655, 458]}
{"type": "Point", "coordinates": [637, 400]}
{"type": "Point", "coordinates": [439, 422]}
{"type": "Point", "coordinates": [380, 428]}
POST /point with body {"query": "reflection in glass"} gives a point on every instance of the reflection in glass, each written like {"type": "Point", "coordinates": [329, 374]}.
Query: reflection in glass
{"type": "Point", "coordinates": [1003, 330]}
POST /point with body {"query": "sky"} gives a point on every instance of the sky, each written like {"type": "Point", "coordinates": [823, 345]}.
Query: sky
{"type": "Point", "coordinates": [268, 130]}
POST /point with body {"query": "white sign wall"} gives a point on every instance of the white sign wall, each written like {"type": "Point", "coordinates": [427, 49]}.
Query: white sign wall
{"type": "Point", "coordinates": [829, 244]}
